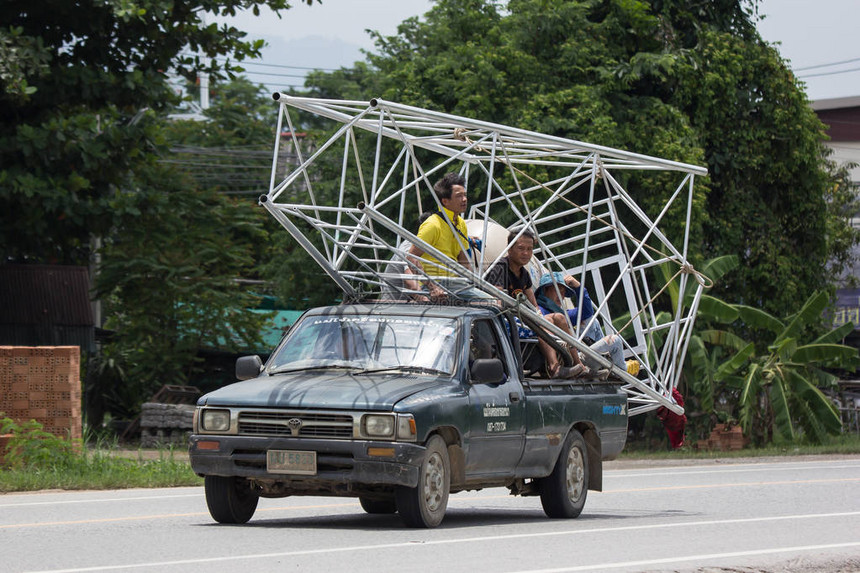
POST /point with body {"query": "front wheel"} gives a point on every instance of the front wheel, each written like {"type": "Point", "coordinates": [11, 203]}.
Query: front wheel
{"type": "Point", "coordinates": [424, 505]}
{"type": "Point", "coordinates": [230, 499]}
{"type": "Point", "coordinates": [375, 506]}
{"type": "Point", "coordinates": [563, 492]}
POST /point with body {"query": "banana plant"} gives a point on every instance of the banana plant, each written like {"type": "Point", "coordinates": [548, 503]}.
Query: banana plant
{"type": "Point", "coordinates": [778, 379]}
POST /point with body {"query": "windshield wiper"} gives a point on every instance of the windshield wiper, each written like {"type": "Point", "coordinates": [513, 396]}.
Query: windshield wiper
{"type": "Point", "coordinates": [322, 367]}
{"type": "Point", "coordinates": [414, 369]}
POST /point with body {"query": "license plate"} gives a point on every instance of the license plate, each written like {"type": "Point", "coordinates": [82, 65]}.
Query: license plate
{"type": "Point", "coordinates": [291, 462]}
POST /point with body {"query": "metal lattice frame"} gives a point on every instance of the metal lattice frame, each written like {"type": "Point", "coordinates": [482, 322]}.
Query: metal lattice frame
{"type": "Point", "coordinates": [384, 158]}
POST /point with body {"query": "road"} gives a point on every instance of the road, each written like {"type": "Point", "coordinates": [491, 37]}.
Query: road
{"type": "Point", "coordinates": [780, 515]}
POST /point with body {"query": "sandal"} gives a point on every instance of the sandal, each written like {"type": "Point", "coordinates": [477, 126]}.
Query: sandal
{"type": "Point", "coordinates": [569, 372]}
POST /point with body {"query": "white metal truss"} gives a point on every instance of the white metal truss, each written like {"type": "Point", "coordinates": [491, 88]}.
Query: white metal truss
{"type": "Point", "coordinates": [353, 200]}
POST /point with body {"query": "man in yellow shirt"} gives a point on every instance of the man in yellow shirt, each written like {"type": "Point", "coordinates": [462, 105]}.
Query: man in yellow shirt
{"type": "Point", "coordinates": [436, 231]}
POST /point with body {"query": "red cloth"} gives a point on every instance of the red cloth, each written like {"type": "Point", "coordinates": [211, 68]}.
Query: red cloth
{"type": "Point", "coordinates": [674, 423]}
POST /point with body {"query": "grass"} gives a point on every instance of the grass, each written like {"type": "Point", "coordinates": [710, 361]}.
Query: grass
{"type": "Point", "coordinates": [100, 469]}
{"type": "Point", "coordinates": [35, 460]}
{"type": "Point", "coordinates": [846, 444]}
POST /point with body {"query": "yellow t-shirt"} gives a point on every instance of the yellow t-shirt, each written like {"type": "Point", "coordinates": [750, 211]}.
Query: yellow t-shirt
{"type": "Point", "coordinates": [436, 232]}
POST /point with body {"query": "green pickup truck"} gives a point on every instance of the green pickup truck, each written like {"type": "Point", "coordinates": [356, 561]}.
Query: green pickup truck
{"type": "Point", "coordinates": [400, 405]}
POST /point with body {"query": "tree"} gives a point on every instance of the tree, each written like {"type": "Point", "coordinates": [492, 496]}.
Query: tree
{"type": "Point", "coordinates": [691, 82]}
{"type": "Point", "coordinates": [170, 266]}
{"type": "Point", "coordinates": [75, 80]}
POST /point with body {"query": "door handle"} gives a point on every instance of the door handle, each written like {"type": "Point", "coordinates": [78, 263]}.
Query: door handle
{"type": "Point", "coordinates": [514, 396]}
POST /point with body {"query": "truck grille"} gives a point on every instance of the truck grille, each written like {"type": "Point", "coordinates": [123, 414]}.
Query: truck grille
{"type": "Point", "coordinates": [296, 424]}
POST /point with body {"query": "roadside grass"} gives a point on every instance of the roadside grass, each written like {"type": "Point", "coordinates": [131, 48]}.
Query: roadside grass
{"type": "Point", "coordinates": [100, 469]}
{"type": "Point", "coordinates": [846, 444]}
{"type": "Point", "coordinates": [36, 460]}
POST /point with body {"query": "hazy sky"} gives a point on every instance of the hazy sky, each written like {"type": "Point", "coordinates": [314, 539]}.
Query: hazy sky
{"type": "Point", "coordinates": [813, 35]}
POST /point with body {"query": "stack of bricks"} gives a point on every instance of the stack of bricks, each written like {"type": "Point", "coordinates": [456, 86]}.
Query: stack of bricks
{"type": "Point", "coordinates": [725, 438]}
{"type": "Point", "coordinates": [44, 384]}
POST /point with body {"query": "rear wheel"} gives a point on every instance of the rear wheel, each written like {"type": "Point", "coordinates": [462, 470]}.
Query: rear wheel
{"type": "Point", "coordinates": [378, 505]}
{"type": "Point", "coordinates": [230, 499]}
{"type": "Point", "coordinates": [563, 492]}
{"type": "Point", "coordinates": [424, 505]}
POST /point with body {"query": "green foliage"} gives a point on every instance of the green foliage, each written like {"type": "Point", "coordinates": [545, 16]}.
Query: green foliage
{"type": "Point", "coordinates": [168, 280]}
{"type": "Point", "coordinates": [36, 460]}
{"type": "Point", "coordinates": [75, 79]}
{"type": "Point", "coordinates": [31, 446]}
{"type": "Point", "coordinates": [692, 82]}
{"type": "Point", "coordinates": [775, 380]}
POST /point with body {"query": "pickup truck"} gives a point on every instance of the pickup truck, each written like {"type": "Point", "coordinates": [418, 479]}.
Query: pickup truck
{"type": "Point", "coordinates": [400, 405]}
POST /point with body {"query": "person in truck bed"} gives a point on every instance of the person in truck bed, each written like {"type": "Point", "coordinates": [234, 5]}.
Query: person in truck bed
{"type": "Point", "coordinates": [436, 231]}
{"type": "Point", "coordinates": [511, 276]}
{"type": "Point", "coordinates": [551, 288]}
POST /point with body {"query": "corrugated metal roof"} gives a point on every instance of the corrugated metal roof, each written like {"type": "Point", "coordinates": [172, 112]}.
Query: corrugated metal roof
{"type": "Point", "coordinates": [45, 294]}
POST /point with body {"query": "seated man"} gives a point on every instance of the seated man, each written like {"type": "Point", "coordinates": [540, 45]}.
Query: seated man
{"type": "Point", "coordinates": [548, 296]}
{"type": "Point", "coordinates": [510, 275]}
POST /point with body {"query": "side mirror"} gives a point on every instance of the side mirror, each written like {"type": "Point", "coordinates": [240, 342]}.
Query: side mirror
{"type": "Point", "coordinates": [248, 367]}
{"type": "Point", "coordinates": [488, 371]}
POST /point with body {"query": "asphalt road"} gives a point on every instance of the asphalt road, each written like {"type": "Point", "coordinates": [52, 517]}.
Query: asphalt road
{"type": "Point", "coordinates": [790, 514]}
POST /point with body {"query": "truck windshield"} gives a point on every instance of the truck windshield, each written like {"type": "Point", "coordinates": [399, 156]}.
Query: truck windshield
{"type": "Point", "coordinates": [369, 343]}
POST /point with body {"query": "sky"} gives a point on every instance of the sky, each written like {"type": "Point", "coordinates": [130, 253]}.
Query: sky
{"type": "Point", "coordinates": [813, 35]}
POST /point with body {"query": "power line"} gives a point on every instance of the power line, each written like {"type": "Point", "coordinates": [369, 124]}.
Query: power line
{"type": "Point", "coordinates": [284, 66]}
{"type": "Point", "coordinates": [828, 73]}
{"type": "Point", "coordinates": [852, 60]}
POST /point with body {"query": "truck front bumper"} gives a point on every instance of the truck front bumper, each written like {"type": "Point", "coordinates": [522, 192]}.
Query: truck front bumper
{"type": "Point", "coordinates": [340, 463]}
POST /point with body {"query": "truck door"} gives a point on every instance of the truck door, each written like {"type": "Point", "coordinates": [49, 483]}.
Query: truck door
{"type": "Point", "coordinates": [497, 411]}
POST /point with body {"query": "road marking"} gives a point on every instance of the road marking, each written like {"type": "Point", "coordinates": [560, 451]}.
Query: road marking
{"type": "Point", "coordinates": [167, 515]}
{"type": "Point", "coordinates": [697, 558]}
{"type": "Point", "coordinates": [493, 538]}
{"type": "Point", "coordinates": [740, 484]}
{"type": "Point", "coordinates": [100, 500]}
{"type": "Point", "coordinates": [461, 499]}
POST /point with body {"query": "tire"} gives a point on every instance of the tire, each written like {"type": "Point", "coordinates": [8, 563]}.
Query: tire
{"type": "Point", "coordinates": [230, 499]}
{"type": "Point", "coordinates": [424, 505]}
{"type": "Point", "coordinates": [375, 506]}
{"type": "Point", "coordinates": [563, 492]}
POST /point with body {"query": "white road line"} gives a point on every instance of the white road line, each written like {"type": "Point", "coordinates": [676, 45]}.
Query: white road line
{"type": "Point", "coordinates": [402, 545]}
{"type": "Point", "coordinates": [101, 500]}
{"type": "Point", "coordinates": [696, 558]}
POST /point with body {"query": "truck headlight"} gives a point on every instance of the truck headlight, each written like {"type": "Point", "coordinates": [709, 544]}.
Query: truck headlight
{"type": "Point", "coordinates": [378, 426]}
{"type": "Point", "coordinates": [215, 420]}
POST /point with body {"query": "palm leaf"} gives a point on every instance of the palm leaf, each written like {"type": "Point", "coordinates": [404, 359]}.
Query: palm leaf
{"type": "Point", "coordinates": [783, 348]}
{"type": "Point", "coordinates": [812, 428]}
{"type": "Point", "coordinates": [827, 354]}
{"type": "Point", "coordinates": [822, 408]}
{"type": "Point", "coordinates": [779, 403]}
{"type": "Point", "coordinates": [836, 334]}
{"type": "Point", "coordinates": [712, 307]}
{"type": "Point", "coordinates": [735, 362]}
{"type": "Point", "coordinates": [717, 267]}
{"type": "Point", "coordinates": [723, 338]}
{"type": "Point", "coordinates": [758, 318]}
{"type": "Point", "coordinates": [822, 379]}
{"type": "Point", "coordinates": [666, 272]}
{"type": "Point", "coordinates": [701, 381]}
{"type": "Point", "coordinates": [811, 311]}
{"type": "Point", "coordinates": [749, 392]}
